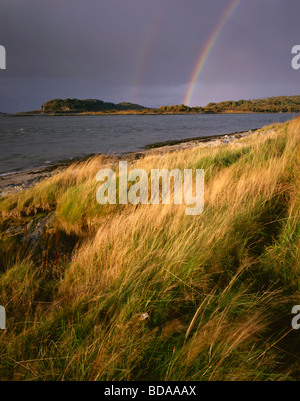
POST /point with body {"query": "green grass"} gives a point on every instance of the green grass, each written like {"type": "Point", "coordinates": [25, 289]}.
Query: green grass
{"type": "Point", "coordinates": [217, 288]}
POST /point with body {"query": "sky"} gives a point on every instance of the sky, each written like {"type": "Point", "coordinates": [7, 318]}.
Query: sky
{"type": "Point", "coordinates": [145, 51]}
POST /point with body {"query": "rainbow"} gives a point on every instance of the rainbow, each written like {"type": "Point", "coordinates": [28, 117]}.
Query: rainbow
{"type": "Point", "coordinates": [207, 50]}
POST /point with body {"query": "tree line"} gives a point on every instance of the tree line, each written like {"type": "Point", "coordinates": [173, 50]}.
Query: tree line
{"type": "Point", "coordinates": [280, 104]}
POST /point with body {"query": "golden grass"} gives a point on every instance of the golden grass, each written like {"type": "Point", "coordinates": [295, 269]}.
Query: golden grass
{"type": "Point", "coordinates": [217, 288]}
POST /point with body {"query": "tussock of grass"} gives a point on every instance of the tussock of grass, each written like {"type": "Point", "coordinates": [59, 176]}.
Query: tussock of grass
{"type": "Point", "coordinates": [217, 288]}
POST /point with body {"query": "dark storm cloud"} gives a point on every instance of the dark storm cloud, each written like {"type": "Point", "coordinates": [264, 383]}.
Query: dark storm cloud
{"type": "Point", "coordinates": [99, 40]}
{"type": "Point", "coordinates": [144, 51]}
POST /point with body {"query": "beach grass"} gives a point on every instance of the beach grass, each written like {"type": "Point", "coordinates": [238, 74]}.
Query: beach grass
{"type": "Point", "coordinates": [145, 292]}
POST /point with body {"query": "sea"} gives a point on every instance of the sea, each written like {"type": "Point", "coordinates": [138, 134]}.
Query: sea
{"type": "Point", "coordinates": [28, 142]}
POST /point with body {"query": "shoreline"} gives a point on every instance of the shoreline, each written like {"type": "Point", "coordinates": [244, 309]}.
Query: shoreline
{"type": "Point", "coordinates": [143, 112]}
{"type": "Point", "coordinates": [21, 180]}
{"type": "Point", "coordinates": [135, 113]}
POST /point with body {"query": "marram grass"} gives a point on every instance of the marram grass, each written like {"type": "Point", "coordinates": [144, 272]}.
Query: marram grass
{"type": "Point", "coordinates": [150, 293]}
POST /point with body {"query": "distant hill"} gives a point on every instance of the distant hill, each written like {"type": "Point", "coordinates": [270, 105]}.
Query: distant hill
{"type": "Point", "coordinates": [280, 104]}
{"type": "Point", "coordinates": [86, 105]}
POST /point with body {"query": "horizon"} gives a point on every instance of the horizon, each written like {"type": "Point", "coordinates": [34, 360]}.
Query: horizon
{"type": "Point", "coordinates": [150, 54]}
{"type": "Point", "coordinates": [147, 107]}
{"type": "Point", "coordinates": [169, 105]}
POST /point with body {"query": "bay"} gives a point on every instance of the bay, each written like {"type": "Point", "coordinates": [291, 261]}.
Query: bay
{"type": "Point", "coordinates": [33, 141]}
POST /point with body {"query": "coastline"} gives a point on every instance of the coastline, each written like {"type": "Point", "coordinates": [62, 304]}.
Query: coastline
{"type": "Point", "coordinates": [21, 180]}
{"type": "Point", "coordinates": [135, 113]}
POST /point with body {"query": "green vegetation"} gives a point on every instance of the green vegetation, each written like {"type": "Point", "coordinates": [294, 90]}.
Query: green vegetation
{"type": "Point", "coordinates": [178, 109]}
{"type": "Point", "coordinates": [148, 293]}
{"type": "Point", "coordinates": [281, 104]}
{"type": "Point", "coordinates": [88, 105]}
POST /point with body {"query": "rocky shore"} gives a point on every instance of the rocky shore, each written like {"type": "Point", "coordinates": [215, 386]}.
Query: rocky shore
{"type": "Point", "coordinates": [15, 182]}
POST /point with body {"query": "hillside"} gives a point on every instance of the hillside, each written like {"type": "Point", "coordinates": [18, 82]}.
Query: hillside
{"type": "Point", "coordinates": [281, 104]}
{"type": "Point", "coordinates": [87, 105]}
{"type": "Point", "coordinates": [141, 292]}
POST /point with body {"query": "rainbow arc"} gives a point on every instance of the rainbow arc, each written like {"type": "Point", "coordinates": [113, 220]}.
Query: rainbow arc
{"type": "Point", "coordinates": [206, 51]}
